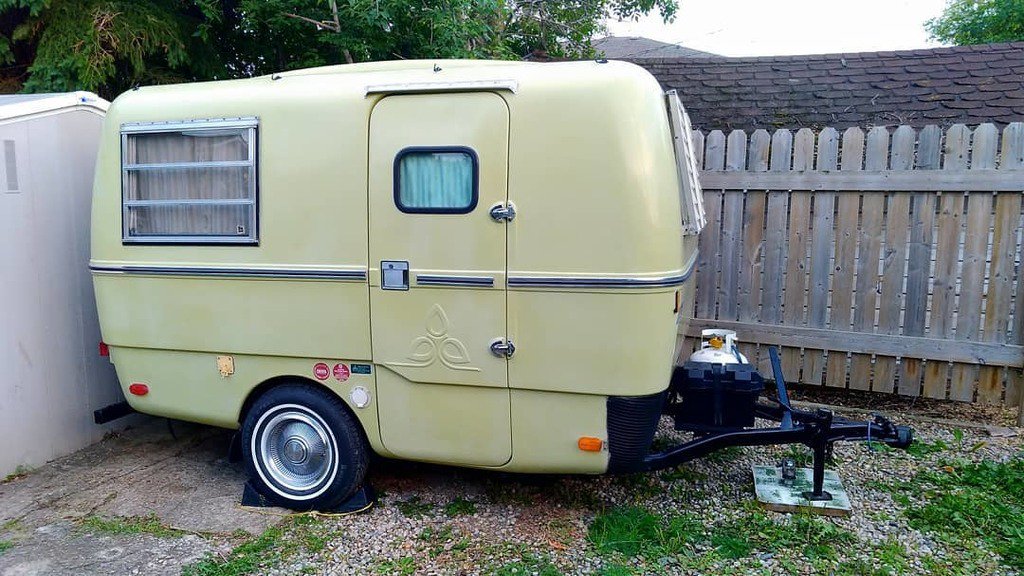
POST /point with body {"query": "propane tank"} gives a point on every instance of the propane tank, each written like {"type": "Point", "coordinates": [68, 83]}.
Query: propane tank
{"type": "Point", "coordinates": [718, 347]}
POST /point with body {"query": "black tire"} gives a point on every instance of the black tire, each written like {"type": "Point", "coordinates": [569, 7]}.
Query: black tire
{"type": "Point", "coordinates": [302, 448]}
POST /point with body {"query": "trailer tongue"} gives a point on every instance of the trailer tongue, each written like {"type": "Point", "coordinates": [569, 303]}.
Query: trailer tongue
{"type": "Point", "coordinates": [718, 402]}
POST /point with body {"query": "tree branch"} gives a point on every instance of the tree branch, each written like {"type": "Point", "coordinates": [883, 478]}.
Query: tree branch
{"type": "Point", "coordinates": [332, 26]}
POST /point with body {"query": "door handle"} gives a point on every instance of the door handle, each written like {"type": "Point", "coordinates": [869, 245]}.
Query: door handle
{"type": "Point", "coordinates": [394, 275]}
{"type": "Point", "coordinates": [501, 212]}
{"type": "Point", "coordinates": [503, 348]}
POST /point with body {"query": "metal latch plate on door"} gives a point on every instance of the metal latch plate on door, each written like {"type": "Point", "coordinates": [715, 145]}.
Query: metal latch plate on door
{"type": "Point", "coordinates": [394, 275]}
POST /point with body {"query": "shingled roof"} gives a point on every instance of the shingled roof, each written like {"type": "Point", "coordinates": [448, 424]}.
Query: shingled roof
{"type": "Point", "coordinates": [966, 84]}
{"type": "Point", "coordinates": [625, 47]}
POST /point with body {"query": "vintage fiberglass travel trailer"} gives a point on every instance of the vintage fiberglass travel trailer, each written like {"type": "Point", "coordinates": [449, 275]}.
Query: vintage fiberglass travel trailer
{"type": "Point", "coordinates": [481, 264]}
{"type": "Point", "coordinates": [455, 262]}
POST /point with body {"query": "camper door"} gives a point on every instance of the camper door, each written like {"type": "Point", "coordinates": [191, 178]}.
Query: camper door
{"type": "Point", "coordinates": [437, 164]}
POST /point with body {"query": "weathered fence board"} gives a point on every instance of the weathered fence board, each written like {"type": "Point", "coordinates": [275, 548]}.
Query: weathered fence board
{"type": "Point", "coordinates": [869, 255]}
{"type": "Point", "coordinates": [749, 297]}
{"type": "Point", "coordinates": [947, 260]}
{"type": "Point", "coordinates": [888, 261]}
{"type": "Point", "coordinates": [845, 255]}
{"type": "Point", "coordinates": [795, 291]}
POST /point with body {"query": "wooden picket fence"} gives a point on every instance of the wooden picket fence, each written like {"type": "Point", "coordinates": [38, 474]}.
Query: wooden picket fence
{"type": "Point", "coordinates": [887, 263]}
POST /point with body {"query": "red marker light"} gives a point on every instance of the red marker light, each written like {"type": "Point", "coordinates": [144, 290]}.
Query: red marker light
{"type": "Point", "coordinates": [104, 349]}
{"type": "Point", "coordinates": [138, 389]}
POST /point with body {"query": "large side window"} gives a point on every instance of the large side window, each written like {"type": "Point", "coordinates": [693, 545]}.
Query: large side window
{"type": "Point", "coordinates": [189, 182]}
{"type": "Point", "coordinates": [439, 180]}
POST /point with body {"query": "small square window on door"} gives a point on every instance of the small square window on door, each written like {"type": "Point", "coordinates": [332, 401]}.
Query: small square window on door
{"type": "Point", "coordinates": [436, 180]}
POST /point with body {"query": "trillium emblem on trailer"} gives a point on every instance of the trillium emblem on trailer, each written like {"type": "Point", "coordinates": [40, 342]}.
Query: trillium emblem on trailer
{"type": "Point", "coordinates": [438, 345]}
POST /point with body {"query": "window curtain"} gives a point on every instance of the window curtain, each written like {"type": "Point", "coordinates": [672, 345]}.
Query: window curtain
{"type": "Point", "coordinates": [164, 186]}
{"type": "Point", "coordinates": [436, 180]}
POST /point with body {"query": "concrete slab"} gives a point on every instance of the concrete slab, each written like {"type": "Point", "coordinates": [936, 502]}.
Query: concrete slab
{"type": "Point", "coordinates": [186, 482]}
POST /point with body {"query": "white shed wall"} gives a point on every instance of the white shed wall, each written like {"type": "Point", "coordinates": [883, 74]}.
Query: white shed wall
{"type": "Point", "coordinates": [51, 375]}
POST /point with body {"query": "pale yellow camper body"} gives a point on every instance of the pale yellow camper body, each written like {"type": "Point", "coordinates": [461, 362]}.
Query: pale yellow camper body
{"type": "Point", "coordinates": [588, 279]}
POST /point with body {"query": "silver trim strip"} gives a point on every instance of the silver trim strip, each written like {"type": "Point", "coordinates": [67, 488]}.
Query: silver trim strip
{"type": "Point", "coordinates": [445, 280]}
{"type": "Point", "coordinates": [348, 275]}
{"type": "Point", "coordinates": [598, 282]}
{"type": "Point", "coordinates": [413, 87]}
{"type": "Point", "coordinates": [192, 202]}
{"type": "Point", "coordinates": [178, 125]}
{"type": "Point", "coordinates": [190, 165]}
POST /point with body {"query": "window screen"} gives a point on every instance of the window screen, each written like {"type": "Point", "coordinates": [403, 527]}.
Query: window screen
{"type": "Point", "coordinates": [189, 182]}
{"type": "Point", "coordinates": [436, 180]}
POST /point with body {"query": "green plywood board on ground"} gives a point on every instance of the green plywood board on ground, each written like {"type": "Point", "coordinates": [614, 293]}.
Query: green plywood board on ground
{"type": "Point", "coordinates": [776, 494]}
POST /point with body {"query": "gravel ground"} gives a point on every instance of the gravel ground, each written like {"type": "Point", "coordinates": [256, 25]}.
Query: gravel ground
{"type": "Point", "coordinates": [445, 520]}
{"type": "Point", "coordinates": [439, 520]}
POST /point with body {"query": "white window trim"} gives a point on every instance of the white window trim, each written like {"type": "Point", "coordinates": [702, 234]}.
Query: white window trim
{"type": "Point", "coordinates": [249, 123]}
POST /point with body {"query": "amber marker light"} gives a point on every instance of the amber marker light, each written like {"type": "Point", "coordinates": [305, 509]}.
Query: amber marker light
{"type": "Point", "coordinates": [590, 444]}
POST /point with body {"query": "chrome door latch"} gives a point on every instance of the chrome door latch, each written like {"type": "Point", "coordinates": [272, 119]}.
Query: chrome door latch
{"type": "Point", "coordinates": [503, 212]}
{"type": "Point", "coordinates": [503, 348]}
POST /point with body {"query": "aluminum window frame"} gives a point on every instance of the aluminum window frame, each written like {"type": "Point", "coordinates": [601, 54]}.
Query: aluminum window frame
{"type": "Point", "coordinates": [249, 123]}
{"type": "Point", "coordinates": [397, 192]}
{"type": "Point", "coordinates": [691, 196]}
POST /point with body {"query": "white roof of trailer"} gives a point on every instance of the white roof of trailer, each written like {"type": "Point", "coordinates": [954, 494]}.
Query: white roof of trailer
{"type": "Point", "coordinates": [17, 106]}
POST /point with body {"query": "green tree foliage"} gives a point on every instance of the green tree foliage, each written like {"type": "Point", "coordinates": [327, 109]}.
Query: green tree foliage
{"type": "Point", "coordinates": [105, 45]}
{"type": "Point", "coordinates": [109, 45]}
{"type": "Point", "coordinates": [966, 22]}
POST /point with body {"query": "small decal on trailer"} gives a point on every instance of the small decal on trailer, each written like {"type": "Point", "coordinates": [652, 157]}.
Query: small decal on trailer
{"type": "Point", "coordinates": [360, 368]}
{"type": "Point", "coordinates": [321, 371]}
{"type": "Point", "coordinates": [341, 372]}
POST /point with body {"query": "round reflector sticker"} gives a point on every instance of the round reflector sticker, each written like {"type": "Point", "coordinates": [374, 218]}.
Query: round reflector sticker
{"type": "Point", "coordinates": [321, 371]}
{"type": "Point", "coordinates": [341, 372]}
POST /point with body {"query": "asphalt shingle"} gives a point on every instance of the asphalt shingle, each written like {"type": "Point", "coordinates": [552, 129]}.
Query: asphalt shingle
{"type": "Point", "coordinates": [962, 84]}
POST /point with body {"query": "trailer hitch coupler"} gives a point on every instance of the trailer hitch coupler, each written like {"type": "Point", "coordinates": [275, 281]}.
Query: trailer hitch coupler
{"type": "Point", "coordinates": [904, 437]}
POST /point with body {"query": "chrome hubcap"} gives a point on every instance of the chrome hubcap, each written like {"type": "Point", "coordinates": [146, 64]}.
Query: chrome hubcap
{"type": "Point", "coordinates": [296, 450]}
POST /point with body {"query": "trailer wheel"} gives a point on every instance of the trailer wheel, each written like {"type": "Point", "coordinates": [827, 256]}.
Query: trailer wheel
{"type": "Point", "coordinates": [302, 448]}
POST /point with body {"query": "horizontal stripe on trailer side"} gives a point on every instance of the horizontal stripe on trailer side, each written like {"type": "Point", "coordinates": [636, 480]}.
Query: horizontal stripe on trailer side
{"type": "Point", "coordinates": [354, 275]}
{"type": "Point", "coordinates": [442, 280]}
{"type": "Point", "coordinates": [598, 282]}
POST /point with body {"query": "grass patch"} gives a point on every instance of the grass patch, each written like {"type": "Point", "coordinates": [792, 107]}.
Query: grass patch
{"type": "Point", "coordinates": [19, 473]}
{"type": "Point", "coordinates": [246, 558]}
{"type": "Point", "coordinates": [816, 537]}
{"type": "Point", "coordinates": [460, 507]}
{"type": "Point", "coordinates": [983, 501]}
{"type": "Point", "coordinates": [614, 569]}
{"type": "Point", "coordinates": [274, 545]}
{"type": "Point", "coordinates": [414, 507]}
{"type": "Point", "coordinates": [801, 455]}
{"type": "Point", "coordinates": [405, 566]}
{"type": "Point", "coordinates": [634, 531]}
{"type": "Point", "coordinates": [130, 525]}
{"type": "Point", "coordinates": [528, 564]}
{"type": "Point", "coordinates": [921, 449]}
{"type": "Point", "coordinates": [437, 538]}
{"type": "Point", "coordinates": [5, 545]}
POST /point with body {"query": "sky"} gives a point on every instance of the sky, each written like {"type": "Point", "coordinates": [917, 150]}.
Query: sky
{"type": "Point", "coordinates": [779, 27]}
